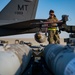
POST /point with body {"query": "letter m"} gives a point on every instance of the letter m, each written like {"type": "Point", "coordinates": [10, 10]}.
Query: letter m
{"type": "Point", "coordinates": [20, 7]}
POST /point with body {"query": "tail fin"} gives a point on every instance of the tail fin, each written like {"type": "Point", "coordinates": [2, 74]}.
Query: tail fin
{"type": "Point", "coordinates": [20, 10]}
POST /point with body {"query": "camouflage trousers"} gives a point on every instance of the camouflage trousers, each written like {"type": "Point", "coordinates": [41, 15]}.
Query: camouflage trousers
{"type": "Point", "coordinates": [53, 37]}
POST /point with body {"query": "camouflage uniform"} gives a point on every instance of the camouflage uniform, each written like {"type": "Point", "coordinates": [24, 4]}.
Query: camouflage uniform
{"type": "Point", "coordinates": [53, 35]}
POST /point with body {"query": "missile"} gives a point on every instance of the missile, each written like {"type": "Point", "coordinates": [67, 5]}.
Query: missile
{"type": "Point", "coordinates": [60, 59]}
{"type": "Point", "coordinates": [14, 59]}
{"type": "Point", "coordinates": [40, 37]}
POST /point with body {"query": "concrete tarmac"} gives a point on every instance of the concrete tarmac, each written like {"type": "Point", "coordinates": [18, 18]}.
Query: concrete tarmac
{"type": "Point", "coordinates": [31, 40]}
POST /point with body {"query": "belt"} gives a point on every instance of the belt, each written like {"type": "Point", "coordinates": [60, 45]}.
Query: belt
{"type": "Point", "coordinates": [52, 28]}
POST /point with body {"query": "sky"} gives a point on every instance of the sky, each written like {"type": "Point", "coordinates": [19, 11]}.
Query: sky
{"type": "Point", "coordinates": [61, 7]}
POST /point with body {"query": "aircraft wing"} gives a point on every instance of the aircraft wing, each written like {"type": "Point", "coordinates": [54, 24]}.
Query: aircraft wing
{"type": "Point", "coordinates": [21, 27]}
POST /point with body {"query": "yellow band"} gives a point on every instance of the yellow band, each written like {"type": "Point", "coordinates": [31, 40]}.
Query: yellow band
{"type": "Point", "coordinates": [52, 28]}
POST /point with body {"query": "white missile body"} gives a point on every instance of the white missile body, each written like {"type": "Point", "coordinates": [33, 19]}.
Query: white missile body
{"type": "Point", "coordinates": [14, 59]}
